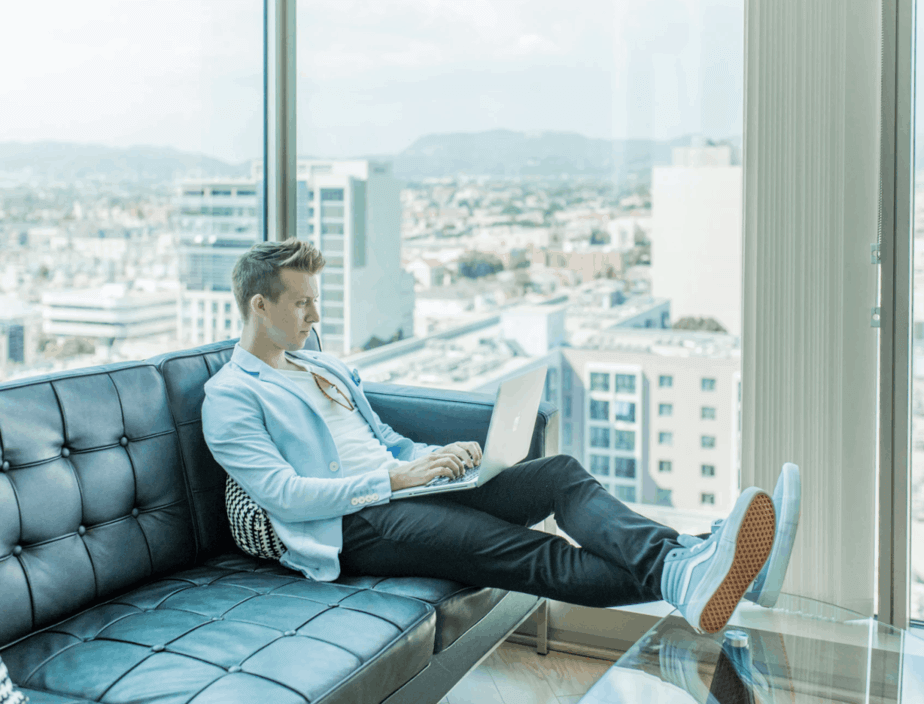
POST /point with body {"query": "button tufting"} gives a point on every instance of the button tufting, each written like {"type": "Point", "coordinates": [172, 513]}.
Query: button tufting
{"type": "Point", "coordinates": [332, 606]}
{"type": "Point", "coordinates": [215, 618]}
{"type": "Point", "coordinates": [81, 530]}
{"type": "Point", "coordinates": [157, 648]}
{"type": "Point", "coordinates": [123, 441]}
{"type": "Point", "coordinates": [17, 551]}
{"type": "Point", "coordinates": [65, 452]}
{"type": "Point", "coordinates": [135, 512]}
{"type": "Point", "coordinates": [6, 466]}
{"type": "Point", "coordinates": [289, 633]}
{"type": "Point", "coordinates": [234, 668]}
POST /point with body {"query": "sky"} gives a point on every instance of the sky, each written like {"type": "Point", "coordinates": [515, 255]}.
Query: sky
{"type": "Point", "coordinates": [373, 76]}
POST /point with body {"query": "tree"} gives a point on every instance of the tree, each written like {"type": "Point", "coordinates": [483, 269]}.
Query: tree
{"type": "Point", "coordinates": [701, 324]}
{"type": "Point", "coordinates": [474, 265]}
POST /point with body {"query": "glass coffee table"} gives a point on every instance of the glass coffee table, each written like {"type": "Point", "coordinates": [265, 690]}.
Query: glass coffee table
{"type": "Point", "coordinates": [800, 651]}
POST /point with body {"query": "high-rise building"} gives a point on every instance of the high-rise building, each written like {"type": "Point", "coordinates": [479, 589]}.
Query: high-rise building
{"type": "Point", "coordinates": [696, 208]}
{"type": "Point", "coordinates": [350, 210]}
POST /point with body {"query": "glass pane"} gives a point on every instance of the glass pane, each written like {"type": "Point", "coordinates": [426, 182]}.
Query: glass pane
{"type": "Point", "coordinates": [131, 177]}
{"type": "Point", "coordinates": [526, 185]}
{"type": "Point", "coordinates": [917, 397]}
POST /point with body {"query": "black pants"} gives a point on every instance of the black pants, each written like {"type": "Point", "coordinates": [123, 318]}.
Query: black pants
{"type": "Point", "coordinates": [481, 537]}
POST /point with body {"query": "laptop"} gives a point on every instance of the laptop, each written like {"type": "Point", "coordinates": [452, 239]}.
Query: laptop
{"type": "Point", "coordinates": [509, 435]}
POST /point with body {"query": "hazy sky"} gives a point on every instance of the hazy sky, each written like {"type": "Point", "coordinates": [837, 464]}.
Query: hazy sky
{"type": "Point", "coordinates": [373, 75]}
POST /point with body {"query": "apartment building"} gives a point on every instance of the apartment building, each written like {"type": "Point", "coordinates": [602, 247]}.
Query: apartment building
{"type": "Point", "coordinates": [350, 210]}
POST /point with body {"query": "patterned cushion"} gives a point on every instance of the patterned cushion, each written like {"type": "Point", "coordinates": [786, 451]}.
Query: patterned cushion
{"type": "Point", "coordinates": [8, 693]}
{"type": "Point", "coordinates": [232, 630]}
{"type": "Point", "coordinates": [250, 524]}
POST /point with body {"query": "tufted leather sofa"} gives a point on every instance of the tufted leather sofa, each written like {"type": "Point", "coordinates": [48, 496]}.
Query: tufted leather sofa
{"type": "Point", "coordinates": [119, 581]}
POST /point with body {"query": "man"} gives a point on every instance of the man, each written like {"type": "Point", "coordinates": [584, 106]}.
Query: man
{"type": "Point", "coordinates": [295, 430]}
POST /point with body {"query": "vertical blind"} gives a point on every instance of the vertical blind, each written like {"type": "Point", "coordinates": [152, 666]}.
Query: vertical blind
{"type": "Point", "coordinates": [809, 353]}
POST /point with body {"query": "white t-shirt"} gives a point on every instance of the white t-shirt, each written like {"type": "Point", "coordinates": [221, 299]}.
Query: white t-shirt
{"type": "Point", "coordinates": [359, 449]}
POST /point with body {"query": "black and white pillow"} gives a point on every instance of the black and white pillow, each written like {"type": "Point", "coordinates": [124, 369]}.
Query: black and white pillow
{"type": "Point", "coordinates": [8, 692]}
{"type": "Point", "coordinates": [250, 526]}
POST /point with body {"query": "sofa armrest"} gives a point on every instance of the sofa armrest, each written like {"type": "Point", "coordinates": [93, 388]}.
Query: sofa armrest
{"type": "Point", "coordinates": [441, 416]}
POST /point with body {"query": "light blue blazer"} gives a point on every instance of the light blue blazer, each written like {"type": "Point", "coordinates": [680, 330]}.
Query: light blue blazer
{"type": "Point", "coordinates": [265, 432]}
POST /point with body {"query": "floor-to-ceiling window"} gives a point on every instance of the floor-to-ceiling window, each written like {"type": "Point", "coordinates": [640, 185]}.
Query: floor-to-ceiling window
{"type": "Point", "coordinates": [131, 151]}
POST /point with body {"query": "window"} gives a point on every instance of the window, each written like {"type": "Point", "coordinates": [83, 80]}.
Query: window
{"type": "Point", "coordinates": [665, 409]}
{"type": "Point", "coordinates": [599, 437]}
{"type": "Point", "coordinates": [665, 438]}
{"type": "Point", "coordinates": [665, 466]}
{"type": "Point", "coordinates": [331, 211]}
{"type": "Point", "coordinates": [331, 311]}
{"type": "Point", "coordinates": [707, 441]}
{"type": "Point", "coordinates": [707, 499]}
{"type": "Point", "coordinates": [600, 465]}
{"type": "Point", "coordinates": [566, 434]}
{"type": "Point", "coordinates": [624, 440]}
{"type": "Point", "coordinates": [329, 228]}
{"type": "Point", "coordinates": [708, 470]}
{"type": "Point", "coordinates": [335, 262]}
{"type": "Point", "coordinates": [708, 413]}
{"type": "Point", "coordinates": [625, 383]}
{"type": "Point", "coordinates": [551, 384]}
{"type": "Point", "coordinates": [566, 379]}
{"type": "Point", "coordinates": [331, 194]}
{"type": "Point", "coordinates": [222, 192]}
{"type": "Point", "coordinates": [599, 381]}
{"type": "Point", "coordinates": [708, 384]}
{"type": "Point", "coordinates": [665, 382]}
{"type": "Point", "coordinates": [663, 497]}
{"type": "Point", "coordinates": [599, 410]}
{"type": "Point", "coordinates": [566, 406]}
{"type": "Point", "coordinates": [624, 467]}
{"type": "Point", "coordinates": [332, 295]}
{"type": "Point", "coordinates": [624, 493]}
{"type": "Point", "coordinates": [625, 411]}
{"type": "Point", "coordinates": [331, 279]}
{"type": "Point", "coordinates": [331, 328]}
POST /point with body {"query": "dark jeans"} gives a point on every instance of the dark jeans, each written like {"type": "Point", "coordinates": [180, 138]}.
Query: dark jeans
{"type": "Point", "coordinates": [481, 537]}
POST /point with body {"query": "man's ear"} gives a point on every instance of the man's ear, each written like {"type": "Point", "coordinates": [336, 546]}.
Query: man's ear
{"type": "Point", "coordinates": [258, 306]}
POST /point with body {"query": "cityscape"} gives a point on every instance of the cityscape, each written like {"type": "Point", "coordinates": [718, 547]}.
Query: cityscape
{"type": "Point", "coordinates": [454, 282]}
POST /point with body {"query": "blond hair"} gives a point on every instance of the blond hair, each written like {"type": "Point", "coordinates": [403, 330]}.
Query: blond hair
{"type": "Point", "coordinates": [257, 270]}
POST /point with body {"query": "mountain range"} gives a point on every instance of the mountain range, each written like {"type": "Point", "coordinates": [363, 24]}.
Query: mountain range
{"type": "Point", "coordinates": [494, 153]}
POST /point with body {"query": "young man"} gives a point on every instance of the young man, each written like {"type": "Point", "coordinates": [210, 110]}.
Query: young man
{"type": "Point", "coordinates": [295, 429]}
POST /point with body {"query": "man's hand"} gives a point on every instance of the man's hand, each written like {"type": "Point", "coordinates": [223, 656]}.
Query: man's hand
{"type": "Point", "coordinates": [449, 461]}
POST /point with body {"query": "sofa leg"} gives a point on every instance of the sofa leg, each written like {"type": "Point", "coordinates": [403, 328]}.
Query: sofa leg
{"type": "Point", "coordinates": [542, 628]}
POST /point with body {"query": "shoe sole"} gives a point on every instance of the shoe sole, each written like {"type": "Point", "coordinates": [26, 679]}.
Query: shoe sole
{"type": "Point", "coordinates": [753, 544]}
{"type": "Point", "coordinates": [788, 523]}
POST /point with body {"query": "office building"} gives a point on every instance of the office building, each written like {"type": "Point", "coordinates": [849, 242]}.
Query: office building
{"type": "Point", "coordinates": [696, 206]}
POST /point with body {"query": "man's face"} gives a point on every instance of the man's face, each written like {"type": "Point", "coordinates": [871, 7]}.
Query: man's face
{"type": "Point", "coordinates": [288, 321]}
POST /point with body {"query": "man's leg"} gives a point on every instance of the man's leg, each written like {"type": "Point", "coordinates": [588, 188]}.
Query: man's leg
{"type": "Point", "coordinates": [436, 537]}
{"type": "Point", "coordinates": [530, 491]}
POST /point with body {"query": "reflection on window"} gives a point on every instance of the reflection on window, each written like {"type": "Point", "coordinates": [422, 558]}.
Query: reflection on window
{"type": "Point", "coordinates": [665, 409]}
{"type": "Point", "coordinates": [566, 433]}
{"type": "Point", "coordinates": [708, 470]}
{"type": "Point", "coordinates": [624, 467]}
{"type": "Point", "coordinates": [625, 411]}
{"type": "Point", "coordinates": [624, 493]}
{"type": "Point", "coordinates": [708, 413]}
{"type": "Point", "coordinates": [708, 384]}
{"type": "Point", "coordinates": [708, 499]}
{"type": "Point", "coordinates": [599, 437]}
{"type": "Point", "coordinates": [665, 382]}
{"type": "Point", "coordinates": [599, 381]}
{"type": "Point", "coordinates": [663, 497]}
{"type": "Point", "coordinates": [600, 465]}
{"type": "Point", "coordinates": [330, 228]}
{"type": "Point", "coordinates": [665, 466]}
{"type": "Point", "coordinates": [665, 438]}
{"type": "Point", "coordinates": [599, 410]}
{"type": "Point", "coordinates": [331, 194]}
{"type": "Point", "coordinates": [707, 441]}
{"type": "Point", "coordinates": [625, 383]}
{"type": "Point", "coordinates": [624, 440]}
{"type": "Point", "coordinates": [566, 406]}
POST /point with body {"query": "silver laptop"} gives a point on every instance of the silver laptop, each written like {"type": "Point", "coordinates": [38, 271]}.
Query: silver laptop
{"type": "Point", "coordinates": [509, 435]}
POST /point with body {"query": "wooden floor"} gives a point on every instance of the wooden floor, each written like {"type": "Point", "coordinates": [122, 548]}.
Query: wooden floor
{"type": "Point", "coordinates": [516, 674]}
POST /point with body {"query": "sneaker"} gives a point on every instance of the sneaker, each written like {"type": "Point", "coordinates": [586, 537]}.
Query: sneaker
{"type": "Point", "coordinates": [787, 500]}
{"type": "Point", "coordinates": [705, 581]}
{"type": "Point", "coordinates": [679, 656]}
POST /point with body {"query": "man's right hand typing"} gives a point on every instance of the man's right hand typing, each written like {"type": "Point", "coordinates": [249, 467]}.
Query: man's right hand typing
{"type": "Point", "coordinates": [427, 468]}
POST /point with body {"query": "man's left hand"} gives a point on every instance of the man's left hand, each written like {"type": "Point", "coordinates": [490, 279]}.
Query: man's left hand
{"type": "Point", "coordinates": [469, 452]}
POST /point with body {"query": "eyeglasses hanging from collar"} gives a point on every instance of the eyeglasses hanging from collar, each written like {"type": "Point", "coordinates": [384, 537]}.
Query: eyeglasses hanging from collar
{"type": "Point", "coordinates": [318, 379]}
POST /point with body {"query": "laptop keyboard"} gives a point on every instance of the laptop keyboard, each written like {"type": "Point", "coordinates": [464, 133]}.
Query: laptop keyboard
{"type": "Point", "coordinates": [471, 473]}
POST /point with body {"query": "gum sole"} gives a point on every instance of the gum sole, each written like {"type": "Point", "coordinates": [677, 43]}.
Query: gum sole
{"type": "Point", "coordinates": [755, 540]}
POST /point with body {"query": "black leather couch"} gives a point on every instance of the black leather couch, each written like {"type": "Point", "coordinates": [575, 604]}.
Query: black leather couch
{"type": "Point", "coordinates": [119, 581]}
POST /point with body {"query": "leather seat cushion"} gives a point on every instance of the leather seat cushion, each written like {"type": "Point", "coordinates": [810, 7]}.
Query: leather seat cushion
{"type": "Point", "coordinates": [458, 606]}
{"type": "Point", "coordinates": [233, 629]}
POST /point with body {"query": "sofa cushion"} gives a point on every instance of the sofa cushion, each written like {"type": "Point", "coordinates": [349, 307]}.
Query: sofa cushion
{"type": "Point", "coordinates": [458, 606]}
{"type": "Point", "coordinates": [233, 629]}
{"type": "Point", "coordinates": [92, 497]}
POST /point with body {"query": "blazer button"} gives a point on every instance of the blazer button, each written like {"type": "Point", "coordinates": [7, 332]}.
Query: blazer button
{"type": "Point", "coordinates": [334, 466]}
{"type": "Point", "coordinates": [361, 500]}
{"type": "Point", "coordinates": [354, 501]}
{"type": "Point", "coordinates": [375, 497]}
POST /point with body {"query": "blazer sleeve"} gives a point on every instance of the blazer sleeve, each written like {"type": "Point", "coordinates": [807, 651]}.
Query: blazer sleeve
{"type": "Point", "coordinates": [235, 432]}
{"type": "Point", "coordinates": [407, 449]}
